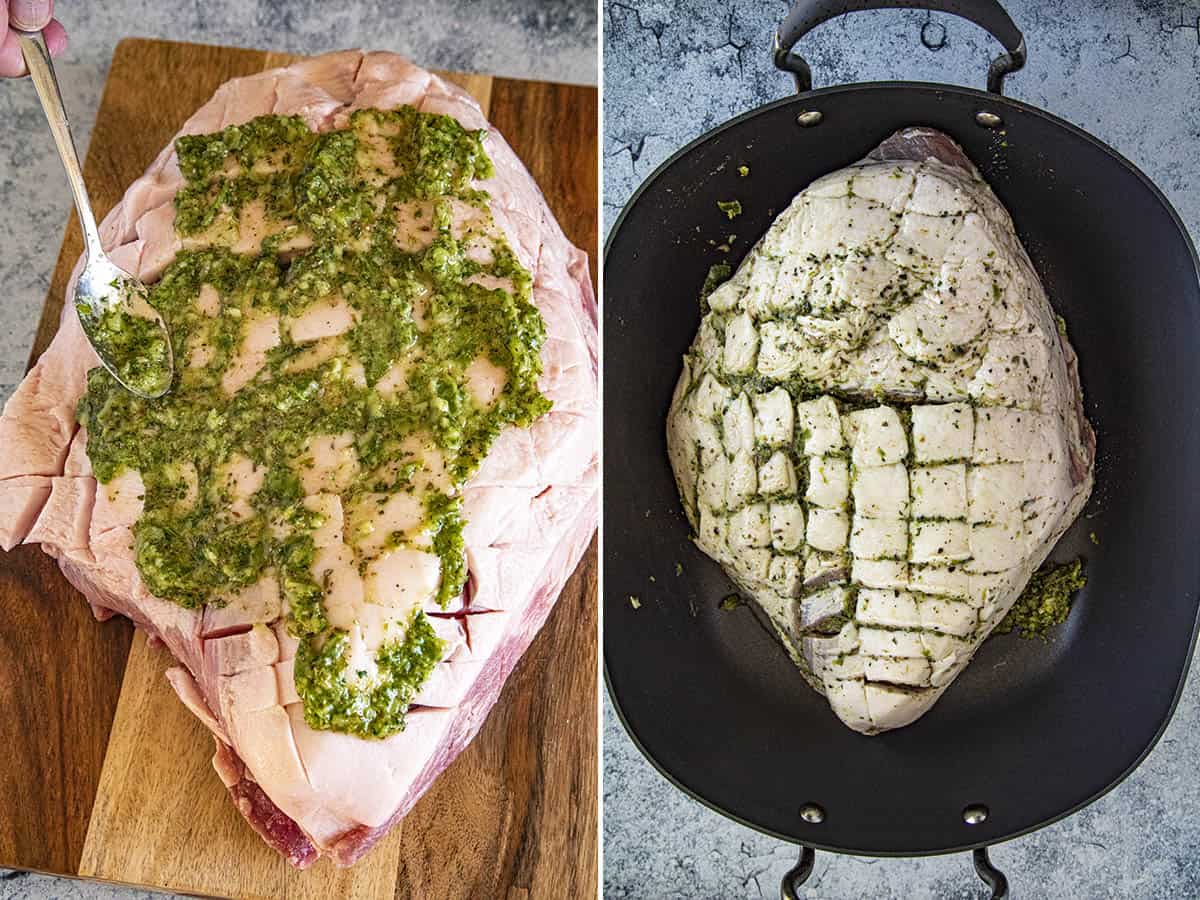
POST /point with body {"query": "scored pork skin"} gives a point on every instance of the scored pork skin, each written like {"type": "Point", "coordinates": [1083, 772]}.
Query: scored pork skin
{"type": "Point", "coordinates": [879, 428]}
{"type": "Point", "coordinates": [531, 508]}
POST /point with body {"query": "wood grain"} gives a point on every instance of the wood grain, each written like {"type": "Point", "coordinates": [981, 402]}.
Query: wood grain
{"type": "Point", "coordinates": [162, 817]}
{"type": "Point", "coordinates": [110, 776]}
{"type": "Point", "coordinates": [60, 676]}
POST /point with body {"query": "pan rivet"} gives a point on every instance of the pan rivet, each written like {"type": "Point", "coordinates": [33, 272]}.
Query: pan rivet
{"type": "Point", "coordinates": [812, 814]}
{"type": "Point", "coordinates": [810, 117]}
{"type": "Point", "coordinates": [975, 814]}
{"type": "Point", "coordinates": [987, 119]}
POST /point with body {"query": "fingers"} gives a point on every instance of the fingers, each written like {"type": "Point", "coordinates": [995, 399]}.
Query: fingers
{"type": "Point", "coordinates": [56, 37]}
{"type": "Point", "coordinates": [30, 15]}
{"type": "Point", "coordinates": [12, 63]}
{"type": "Point", "coordinates": [20, 13]}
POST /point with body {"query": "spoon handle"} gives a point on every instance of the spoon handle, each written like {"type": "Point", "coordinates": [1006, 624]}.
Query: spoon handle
{"type": "Point", "coordinates": [41, 71]}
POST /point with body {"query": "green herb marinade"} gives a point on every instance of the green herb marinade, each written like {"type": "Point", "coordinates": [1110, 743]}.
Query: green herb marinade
{"type": "Point", "coordinates": [1046, 600]}
{"type": "Point", "coordinates": [133, 344]}
{"type": "Point", "coordinates": [333, 201]}
{"type": "Point", "coordinates": [331, 704]}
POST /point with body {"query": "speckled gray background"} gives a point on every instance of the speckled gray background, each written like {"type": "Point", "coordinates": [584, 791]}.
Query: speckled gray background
{"type": "Point", "coordinates": [552, 40]}
{"type": "Point", "coordinates": [1127, 72]}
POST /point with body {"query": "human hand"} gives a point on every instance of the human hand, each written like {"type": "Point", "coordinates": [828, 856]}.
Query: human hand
{"type": "Point", "coordinates": [27, 15]}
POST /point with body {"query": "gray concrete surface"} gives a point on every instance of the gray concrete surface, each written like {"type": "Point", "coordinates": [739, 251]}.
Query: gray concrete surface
{"type": "Point", "coordinates": [554, 40]}
{"type": "Point", "coordinates": [1127, 72]}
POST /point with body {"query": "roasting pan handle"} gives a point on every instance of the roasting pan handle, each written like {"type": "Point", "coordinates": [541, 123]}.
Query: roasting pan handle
{"type": "Point", "coordinates": [987, 14]}
{"type": "Point", "coordinates": [789, 889]}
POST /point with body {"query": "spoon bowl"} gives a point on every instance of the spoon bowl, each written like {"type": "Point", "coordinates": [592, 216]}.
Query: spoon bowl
{"type": "Point", "coordinates": [127, 333]}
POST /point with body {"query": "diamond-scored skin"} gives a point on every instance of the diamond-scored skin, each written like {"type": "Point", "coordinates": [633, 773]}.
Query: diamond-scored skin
{"type": "Point", "coordinates": [879, 431]}
{"type": "Point", "coordinates": [531, 508]}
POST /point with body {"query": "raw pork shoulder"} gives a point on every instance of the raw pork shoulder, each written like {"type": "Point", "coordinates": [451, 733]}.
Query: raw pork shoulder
{"type": "Point", "coordinates": [879, 430]}
{"type": "Point", "coordinates": [530, 508]}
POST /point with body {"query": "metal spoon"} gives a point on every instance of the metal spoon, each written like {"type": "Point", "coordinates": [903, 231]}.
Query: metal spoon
{"type": "Point", "coordinates": [126, 332]}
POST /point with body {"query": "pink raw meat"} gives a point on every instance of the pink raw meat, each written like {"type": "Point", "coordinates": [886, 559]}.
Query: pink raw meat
{"type": "Point", "coordinates": [532, 507]}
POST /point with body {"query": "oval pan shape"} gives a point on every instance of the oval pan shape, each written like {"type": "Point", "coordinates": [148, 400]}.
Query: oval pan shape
{"type": "Point", "coordinates": [1033, 731]}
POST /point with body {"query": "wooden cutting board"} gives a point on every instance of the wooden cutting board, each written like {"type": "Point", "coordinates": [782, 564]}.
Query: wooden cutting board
{"type": "Point", "coordinates": [107, 776]}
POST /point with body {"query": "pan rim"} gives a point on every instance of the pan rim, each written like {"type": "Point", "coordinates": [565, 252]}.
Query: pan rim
{"type": "Point", "coordinates": [1176, 220]}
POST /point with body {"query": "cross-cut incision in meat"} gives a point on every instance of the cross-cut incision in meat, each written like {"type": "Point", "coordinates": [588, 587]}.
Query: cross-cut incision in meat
{"type": "Point", "coordinates": [879, 430]}
{"type": "Point", "coordinates": [378, 465]}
